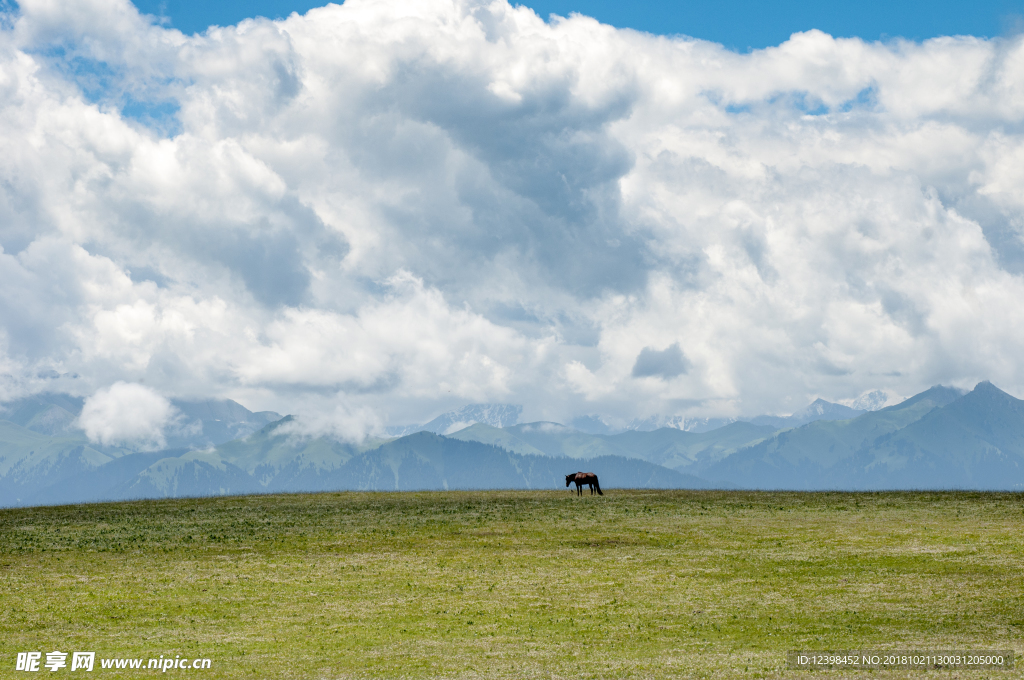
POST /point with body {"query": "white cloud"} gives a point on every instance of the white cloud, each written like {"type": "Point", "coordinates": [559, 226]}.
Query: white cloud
{"type": "Point", "coordinates": [341, 423]}
{"type": "Point", "coordinates": [127, 414]}
{"type": "Point", "coordinates": [385, 209]}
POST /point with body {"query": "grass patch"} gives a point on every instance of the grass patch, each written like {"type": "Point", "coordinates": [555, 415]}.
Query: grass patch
{"type": "Point", "coordinates": [513, 583]}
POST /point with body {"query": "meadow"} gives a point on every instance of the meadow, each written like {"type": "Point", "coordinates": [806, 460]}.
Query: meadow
{"type": "Point", "coordinates": [514, 584]}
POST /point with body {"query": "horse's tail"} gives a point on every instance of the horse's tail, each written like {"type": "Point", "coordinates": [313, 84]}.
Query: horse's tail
{"type": "Point", "coordinates": [598, 485]}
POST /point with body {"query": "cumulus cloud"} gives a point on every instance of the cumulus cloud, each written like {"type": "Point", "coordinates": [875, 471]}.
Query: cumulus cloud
{"type": "Point", "coordinates": [340, 423]}
{"type": "Point", "coordinates": [386, 209]}
{"type": "Point", "coordinates": [127, 414]}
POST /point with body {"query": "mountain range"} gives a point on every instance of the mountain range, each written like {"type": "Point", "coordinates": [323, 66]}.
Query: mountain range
{"type": "Point", "coordinates": [507, 415]}
{"type": "Point", "coordinates": [497, 415]}
{"type": "Point", "coordinates": [941, 438]}
{"type": "Point", "coordinates": [197, 424]}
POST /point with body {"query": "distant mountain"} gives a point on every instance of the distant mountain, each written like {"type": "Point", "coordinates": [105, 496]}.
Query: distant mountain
{"type": "Point", "coordinates": [502, 438]}
{"type": "Point", "coordinates": [193, 473]}
{"type": "Point", "coordinates": [690, 451]}
{"type": "Point", "coordinates": [207, 423]}
{"type": "Point", "coordinates": [45, 457]}
{"type": "Point", "coordinates": [49, 414]}
{"type": "Point", "coordinates": [819, 409]}
{"type": "Point", "coordinates": [495, 415]}
{"type": "Point", "coordinates": [669, 447]}
{"type": "Point", "coordinates": [676, 423]}
{"type": "Point", "coordinates": [593, 425]}
{"type": "Point", "coordinates": [871, 401]}
{"type": "Point", "coordinates": [31, 461]}
{"type": "Point", "coordinates": [428, 461]}
{"type": "Point", "coordinates": [503, 416]}
{"type": "Point", "coordinates": [558, 440]}
{"type": "Point", "coordinates": [975, 442]}
{"type": "Point", "coordinates": [272, 461]}
{"type": "Point", "coordinates": [107, 481]}
{"type": "Point", "coordinates": [199, 424]}
{"type": "Point", "coordinates": [280, 460]}
{"type": "Point", "coordinates": [940, 438]}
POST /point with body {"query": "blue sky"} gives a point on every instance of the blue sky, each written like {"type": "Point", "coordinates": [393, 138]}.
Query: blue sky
{"type": "Point", "coordinates": [738, 24]}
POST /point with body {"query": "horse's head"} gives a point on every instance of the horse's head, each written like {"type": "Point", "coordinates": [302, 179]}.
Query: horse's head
{"type": "Point", "coordinates": [569, 478]}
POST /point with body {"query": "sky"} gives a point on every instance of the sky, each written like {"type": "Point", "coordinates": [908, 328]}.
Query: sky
{"type": "Point", "coordinates": [371, 213]}
{"type": "Point", "coordinates": [740, 25]}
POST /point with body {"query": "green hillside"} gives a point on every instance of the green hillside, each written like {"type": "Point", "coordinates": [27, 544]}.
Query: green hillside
{"type": "Point", "coordinates": [31, 462]}
{"type": "Point", "coordinates": [428, 461]}
{"type": "Point", "coordinates": [21, 447]}
{"type": "Point", "coordinates": [940, 438]}
{"type": "Point", "coordinates": [558, 440]}
{"type": "Point", "coordinates": [496, 436]}
{"type": "Point", "coordinates": [826, 442]}
{"type": "Point", "coordinates": [977, 441]}
{"type": "Point", "coordinates": [691, 451]}
{"type": "Point", "coordinates": [272, 448]}
{"type": "Point", "coordinates": [669, 447]}
{"type": "Point", "coordinates": [51, 414]}
{"type": "Point", "coordinates": [26, 455]}
{"type": "Point", "coordinates": [274, 458]}
{"type": "Point", "coordinates": [277, 459]}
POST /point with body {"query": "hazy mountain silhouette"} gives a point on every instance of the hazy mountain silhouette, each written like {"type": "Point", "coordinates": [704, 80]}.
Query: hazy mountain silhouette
{"type": "Point", "coordinates": [941, 438]}
{"type": "Point", "coordinates": [494, 415]}
{"type": "Point", "coordinates": [670, 447]}
{"type": "Point", "coordinates": [271, 461]}
{"type": "Point", "coordinates": [819, 409]}
{"type": "Point", "coordinates": [46, 458]}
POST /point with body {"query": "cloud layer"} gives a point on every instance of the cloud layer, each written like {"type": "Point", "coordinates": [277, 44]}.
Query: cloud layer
{"type": "Point", "coordinates": [127, 413]}
{"type": "Point", "coordinates": [381, 210]}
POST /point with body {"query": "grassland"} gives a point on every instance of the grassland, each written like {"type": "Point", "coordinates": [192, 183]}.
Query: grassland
{"type": "Point", "coordinates": [513, 584]}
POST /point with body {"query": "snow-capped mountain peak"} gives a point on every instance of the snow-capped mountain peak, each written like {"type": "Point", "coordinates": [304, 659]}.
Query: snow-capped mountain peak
{"type": "Point", "coordinates": [495, 415]}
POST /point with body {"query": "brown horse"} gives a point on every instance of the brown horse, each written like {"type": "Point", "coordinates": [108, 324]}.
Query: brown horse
{"type": "Point", "coordinates": [581, 478]}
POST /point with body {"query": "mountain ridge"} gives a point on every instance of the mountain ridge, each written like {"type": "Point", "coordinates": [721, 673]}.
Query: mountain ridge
{"type": "Point", "coordinates": [495, 415]}
{"type": "Point", "coordinates": [872, 450]}
{"type": "Point", "coordinates": [420, 461]}
{"type": "Point", "coordinates": [940, 438]}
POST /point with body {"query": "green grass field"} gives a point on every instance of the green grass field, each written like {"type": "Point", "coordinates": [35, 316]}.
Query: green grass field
{"type": "Point", "coordinates": [510, 584]}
